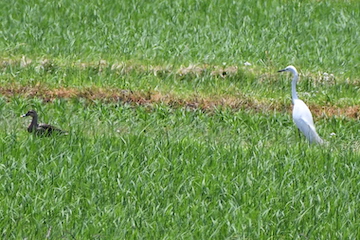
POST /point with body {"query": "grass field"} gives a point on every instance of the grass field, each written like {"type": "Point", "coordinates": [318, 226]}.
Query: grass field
{"type": "Point", "coordinates": [171, 134]}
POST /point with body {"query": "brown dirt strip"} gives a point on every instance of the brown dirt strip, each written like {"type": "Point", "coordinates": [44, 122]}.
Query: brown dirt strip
{"type": "Point", "coordinates": [148, 98]}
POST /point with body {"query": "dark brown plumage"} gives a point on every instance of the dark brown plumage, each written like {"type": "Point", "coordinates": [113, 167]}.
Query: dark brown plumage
{"type": "Point", "coordinates": [41, 129]}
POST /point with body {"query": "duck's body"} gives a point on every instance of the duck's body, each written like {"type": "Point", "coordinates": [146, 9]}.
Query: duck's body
{"type": "Point", "coordinates": [42, 128]}
{"type": "Point", "coordinates": [301, 112]}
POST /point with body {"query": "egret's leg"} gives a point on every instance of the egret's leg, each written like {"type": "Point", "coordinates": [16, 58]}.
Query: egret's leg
{"type": "Point", "coordinates": [300, 137]}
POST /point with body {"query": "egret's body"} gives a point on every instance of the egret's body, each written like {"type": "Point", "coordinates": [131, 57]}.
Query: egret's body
{"type": "Point", "coordinates": [301, 113]}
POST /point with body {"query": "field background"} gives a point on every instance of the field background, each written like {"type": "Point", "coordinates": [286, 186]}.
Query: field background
{"type": "Point", "coordinates": [179, 124]}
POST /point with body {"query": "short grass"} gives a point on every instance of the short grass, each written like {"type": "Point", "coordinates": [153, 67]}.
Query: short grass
{"type": "Point", "coordinates": [161, 171]}
{"type": "Point", "coordinates": [184, 82]}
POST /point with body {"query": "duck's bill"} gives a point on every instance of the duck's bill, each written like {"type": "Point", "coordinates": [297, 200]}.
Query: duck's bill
{"type": "Point", "coordinates": [24, 115]}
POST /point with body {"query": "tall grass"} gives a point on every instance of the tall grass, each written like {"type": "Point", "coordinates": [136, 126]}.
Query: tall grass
{"type": "Point", "coordinates": [317, 35]}
{"type": "Point", "coordinates": [126, 172]}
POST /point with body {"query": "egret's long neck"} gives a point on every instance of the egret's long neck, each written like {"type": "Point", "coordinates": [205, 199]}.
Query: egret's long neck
{"type": "Point", "coordinates": [293, 87]}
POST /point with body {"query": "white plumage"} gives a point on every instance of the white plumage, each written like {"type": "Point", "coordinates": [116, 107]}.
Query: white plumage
{"type": "Point", "coordinates": [301, 113]}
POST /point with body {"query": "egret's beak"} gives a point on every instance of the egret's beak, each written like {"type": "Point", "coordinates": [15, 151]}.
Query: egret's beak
{"type": "Point", "coordinates": [282, 70]}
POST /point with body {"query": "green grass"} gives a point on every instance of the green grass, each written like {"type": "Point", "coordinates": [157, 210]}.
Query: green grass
{"type": "Point", "coordinates": [163, 171]}
{"type": "Point", "coordinates": [126, 172]}
{"type": "Point", "coordinates": [317, 35]}
{"type": "Point", "coordinates": [269, 88]}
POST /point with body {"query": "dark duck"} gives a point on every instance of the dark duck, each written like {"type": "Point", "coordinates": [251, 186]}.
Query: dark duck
{"type": "Point", "coordinates": [41, 129]}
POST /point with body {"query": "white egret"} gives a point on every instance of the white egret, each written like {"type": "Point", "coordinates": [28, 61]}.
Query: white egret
{"type": "Point", "coordinates": [301, 113]}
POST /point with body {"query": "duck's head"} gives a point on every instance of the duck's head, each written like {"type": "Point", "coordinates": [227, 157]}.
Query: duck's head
{"type": "Point", "coordinates": [31, 113]}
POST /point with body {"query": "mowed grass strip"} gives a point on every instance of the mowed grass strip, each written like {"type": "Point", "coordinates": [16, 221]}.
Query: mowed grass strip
{"type": "Point", "coordinates": [195, 86]}
{"type": "Point", "coordinates": [151, 99]}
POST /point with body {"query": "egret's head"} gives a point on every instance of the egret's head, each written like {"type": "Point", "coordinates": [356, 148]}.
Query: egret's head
{"type": "Point", "coordinates": [289, 69]}
{"type": "Point", "coordinates": [31, 113]}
